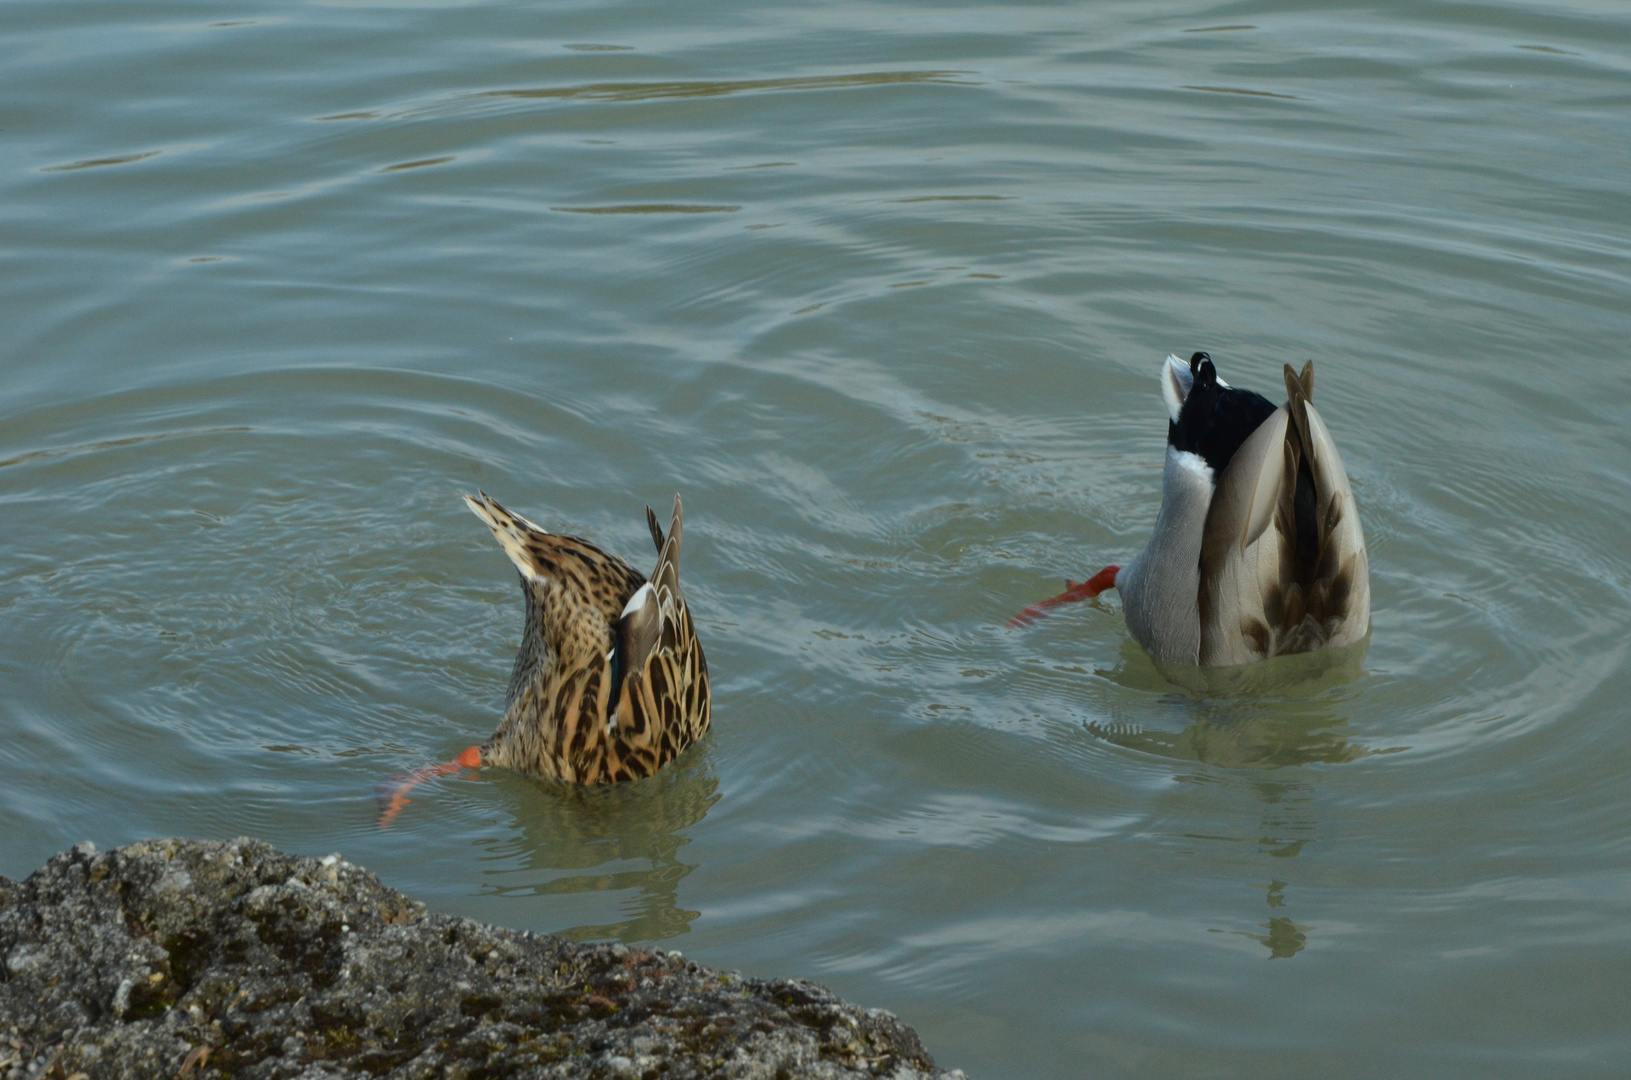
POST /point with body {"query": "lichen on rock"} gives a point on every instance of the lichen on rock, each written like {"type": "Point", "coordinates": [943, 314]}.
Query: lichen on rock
{"type": "Point", "coordinates": [187, 959]}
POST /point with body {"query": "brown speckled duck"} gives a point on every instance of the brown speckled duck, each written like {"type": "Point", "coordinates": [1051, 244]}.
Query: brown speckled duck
{"type": "Point", "coordinates": [610, 683]}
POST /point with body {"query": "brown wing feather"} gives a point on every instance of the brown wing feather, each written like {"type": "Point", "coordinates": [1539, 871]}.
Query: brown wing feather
{"type": "Point", "coordinates": [1304, 583]}
{"type": "Point", "coordinates": [656, 529]}
{"type": "Point", "coordinates": [667, 707]}
{"type": "Point", "coordinates": [1326, 549]}
{"type": "Point", "coordinates": [666, 576]}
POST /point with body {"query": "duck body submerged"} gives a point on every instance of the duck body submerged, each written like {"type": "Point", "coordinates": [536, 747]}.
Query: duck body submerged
{"type": "Point", "coordinates": [1257, 550]}
{"type": "Point", "coordinates": [610, 683]}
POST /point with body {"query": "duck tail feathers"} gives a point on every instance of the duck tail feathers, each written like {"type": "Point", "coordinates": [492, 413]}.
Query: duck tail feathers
{"type": "Point", "coordinates": [666, 577]}
{"type": "Point", "coordinates": [512, 531]}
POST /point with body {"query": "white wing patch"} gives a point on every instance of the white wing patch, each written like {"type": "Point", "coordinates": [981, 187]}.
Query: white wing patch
{"type": "Point", "coordinates": [638, 600]}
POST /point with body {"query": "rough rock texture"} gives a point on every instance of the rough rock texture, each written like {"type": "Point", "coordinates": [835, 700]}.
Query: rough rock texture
{"type": "Point", "coordinates": [176, 958]}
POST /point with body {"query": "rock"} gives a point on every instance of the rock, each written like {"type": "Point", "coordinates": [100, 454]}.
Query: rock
{"type": "Point", "coordinates": [185, 959]}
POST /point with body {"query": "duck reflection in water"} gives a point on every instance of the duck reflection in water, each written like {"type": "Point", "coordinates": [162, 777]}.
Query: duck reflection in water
{"type": "Point", "coordinates": [1281, 713]}
{"type": "Point", "coordinates": [1287, 825]}
{"type": "Point", "coordinates": [625, 838]}
{"type": "Point", "coordinates": [1285, 828]}
{"type": "Point", "coordinates": [1269, 715]}
{"type": "Point", "coordinates": [1285, 938]}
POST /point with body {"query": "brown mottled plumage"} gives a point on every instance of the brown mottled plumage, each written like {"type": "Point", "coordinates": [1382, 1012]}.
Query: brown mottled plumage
{"type": "Point", "coordinates": [610, 683]}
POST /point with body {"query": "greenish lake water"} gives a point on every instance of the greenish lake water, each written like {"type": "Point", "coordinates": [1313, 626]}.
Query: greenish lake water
{"type": "Point", "coordinates": [883, 289]}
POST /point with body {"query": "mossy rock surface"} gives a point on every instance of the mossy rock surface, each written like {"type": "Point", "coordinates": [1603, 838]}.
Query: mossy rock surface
{"type": "Point", "coordinates": [182, 958]}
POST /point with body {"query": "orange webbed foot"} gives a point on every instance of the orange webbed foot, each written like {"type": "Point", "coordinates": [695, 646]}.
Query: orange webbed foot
{"type": "Point", "coordinates": [392, 794]}
{"type": "Point", "coordinates": [1086, 590]}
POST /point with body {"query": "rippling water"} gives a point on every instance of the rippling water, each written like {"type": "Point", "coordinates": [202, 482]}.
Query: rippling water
{"type": "Point", "coordinates": [882, 288]}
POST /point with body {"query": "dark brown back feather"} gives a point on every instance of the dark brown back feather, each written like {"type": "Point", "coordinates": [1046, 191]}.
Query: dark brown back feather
{"type": "Point", "coordinates": [1313, 597]}
{"type": "Point", "coordinates": [656, 529]}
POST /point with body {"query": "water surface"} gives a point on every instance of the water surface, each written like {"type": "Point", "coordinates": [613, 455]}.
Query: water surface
{"type": "Point", "coordinates": [883, 289]}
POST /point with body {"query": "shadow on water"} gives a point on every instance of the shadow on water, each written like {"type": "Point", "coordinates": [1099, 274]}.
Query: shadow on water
{"type": "Point", "coordinates": [620, 837]}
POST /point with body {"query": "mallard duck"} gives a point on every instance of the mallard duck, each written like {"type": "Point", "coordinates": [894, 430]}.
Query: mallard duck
{"type": "Point", "coordinates": [610, 683]}
{"type": "Point", "coordinates": [1257, 550]}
